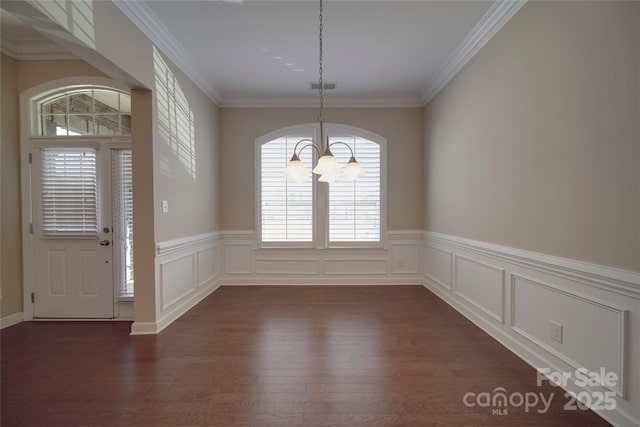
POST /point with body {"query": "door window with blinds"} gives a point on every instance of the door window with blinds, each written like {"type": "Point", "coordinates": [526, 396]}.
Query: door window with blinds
{"type": "Point", "coordinates": [69, 192]}
{"type": "Point", "coordinates": [345, 213]}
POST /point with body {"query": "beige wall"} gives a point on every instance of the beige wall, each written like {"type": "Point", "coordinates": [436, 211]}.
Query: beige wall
{"type": "Point", "coordinates": [143, 205]}
{"type": "Point", "coordinates": [402, 127]}
{"type": "Point", "coordinates": [192, 193]}
{"type": "Point", "coordinates": [10, 246]}
{"type": "Point", "coordinates": [33, 73]}
{"type": "Point", "coordinates": [90, 33]}
{"type": "Point", "coordinates": [536, 143]}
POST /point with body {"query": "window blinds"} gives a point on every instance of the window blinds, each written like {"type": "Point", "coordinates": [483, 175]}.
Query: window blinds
{"type": "Point", "coordinates": [69, 191]}
{"type": "Point", "coordinates": [122, 173]}
{"type": "Point", "coordinates": [354, 206]}
{"type": "Point", "coordinates": [286, 207]}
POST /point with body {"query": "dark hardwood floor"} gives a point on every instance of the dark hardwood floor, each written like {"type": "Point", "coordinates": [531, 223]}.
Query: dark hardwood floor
{"type": "Point", "coordinates": [273, 356]}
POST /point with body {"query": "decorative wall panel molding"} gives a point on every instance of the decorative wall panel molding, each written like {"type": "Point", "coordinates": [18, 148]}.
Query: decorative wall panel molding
{"type": "Point", "coordinates": [187, 270]}
{"type": "Point", "coordinates": [398, 263]}
{"type": "Point", "coordinates": [177, 279]}
{"type": "Point", "coordinates": [583, 319]}
{"type": "Point", "coordinates": [481, 285]}
{"type": "Point", "coordinates": [287, 266]}
{"type": "Point", "coordinates": [596, 306]}
{"type": "Point", "coordinates": [438, 266]}
{"type": "Point", "coordinates": [405, 259]}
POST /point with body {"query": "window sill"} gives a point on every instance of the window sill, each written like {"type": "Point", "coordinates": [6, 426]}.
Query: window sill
{"type": "Point", "coordinates": [366, 247]}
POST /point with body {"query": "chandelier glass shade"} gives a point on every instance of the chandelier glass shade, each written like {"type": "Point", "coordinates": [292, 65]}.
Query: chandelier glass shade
{"type": "Point", "coordinates": [327, 166]}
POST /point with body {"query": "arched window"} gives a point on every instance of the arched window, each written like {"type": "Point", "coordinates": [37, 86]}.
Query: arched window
{"type": "Point", "coordinates": [84, 111]}
{"type": "Point", "coordinates": [317, 214]}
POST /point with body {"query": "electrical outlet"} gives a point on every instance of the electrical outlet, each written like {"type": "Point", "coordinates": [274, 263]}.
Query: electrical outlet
{"type": "Point", "coordinates": [555, 331]}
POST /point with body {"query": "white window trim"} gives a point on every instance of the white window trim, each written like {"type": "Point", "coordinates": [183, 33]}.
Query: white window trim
{"type": "Point", "coordinates": [320, 190]}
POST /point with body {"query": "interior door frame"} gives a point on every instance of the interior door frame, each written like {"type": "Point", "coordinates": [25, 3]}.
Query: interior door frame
{"type": "Point", "coordinates": [28, 128]}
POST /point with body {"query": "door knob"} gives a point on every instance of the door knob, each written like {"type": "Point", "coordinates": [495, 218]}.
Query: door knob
{"type": "Point", "coordinates": [104, 243]}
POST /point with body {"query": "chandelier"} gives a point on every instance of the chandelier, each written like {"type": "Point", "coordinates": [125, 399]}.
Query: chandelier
{"type": "Point", "coordinates": [327, 167]}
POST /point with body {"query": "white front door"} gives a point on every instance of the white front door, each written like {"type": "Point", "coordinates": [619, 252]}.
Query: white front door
{"type": "Point", "coordinates": [72, 229]}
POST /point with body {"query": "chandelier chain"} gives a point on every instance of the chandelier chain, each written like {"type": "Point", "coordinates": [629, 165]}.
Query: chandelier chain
{"type": "Point", "coordinates": [327, 166]}
{"type": "Point", "coordinates": [321, 117]}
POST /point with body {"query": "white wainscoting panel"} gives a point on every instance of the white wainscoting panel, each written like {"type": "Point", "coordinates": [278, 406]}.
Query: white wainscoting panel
{"type": "Point", "coordinates": [177, 279]}
{"type": "Point", "coordinates": [481, 285]}
{"type": "Point", "coordinates": [398, 263]}
{"type": "Point", "coordinates": [405, 258]}
{"type": "Point", "coordinates": [438, 264]}
{"type": "Point", "coordinates": [187, 270]}
{"type": "Point", "coordinates": [207, 265]}
{"type": "Point", "coordinates": [597, 306]}
{"type": "Point", "coordinates": [354, 266]}
{"type": "Point", "coordinates": [287, 266]}
{"type": "Point", "coordinates": [584, 321]}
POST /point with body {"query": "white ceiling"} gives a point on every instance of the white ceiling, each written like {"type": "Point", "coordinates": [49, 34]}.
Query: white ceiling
{"type": "Point", "coordinates": [265, 52]}
{"type": "Point", "coordinates": [261, 52]}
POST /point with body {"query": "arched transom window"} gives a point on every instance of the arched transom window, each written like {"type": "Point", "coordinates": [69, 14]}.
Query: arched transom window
{"type": "Point", "coordinates": [85, 111]}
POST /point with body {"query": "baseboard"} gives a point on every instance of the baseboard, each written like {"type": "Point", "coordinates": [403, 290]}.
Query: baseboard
{"type": "Point", "coordinates": [144, 328]}
{"type": "Point", "coordinates": [322, 281]}
{"type": "Point", "coordinates": [10, 320]}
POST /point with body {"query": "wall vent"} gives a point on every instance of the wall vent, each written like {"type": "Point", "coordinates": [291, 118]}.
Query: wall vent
{"type": "Point", "coordinates": [325, 86]}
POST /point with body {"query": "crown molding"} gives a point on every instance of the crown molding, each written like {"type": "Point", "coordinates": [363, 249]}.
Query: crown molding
{"type": "Point", "coordinates": [341, 102]}
{"type": "Point", "coordinates": [149, 23]}
{"type": "Point", "coordinates": [496, 17]}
